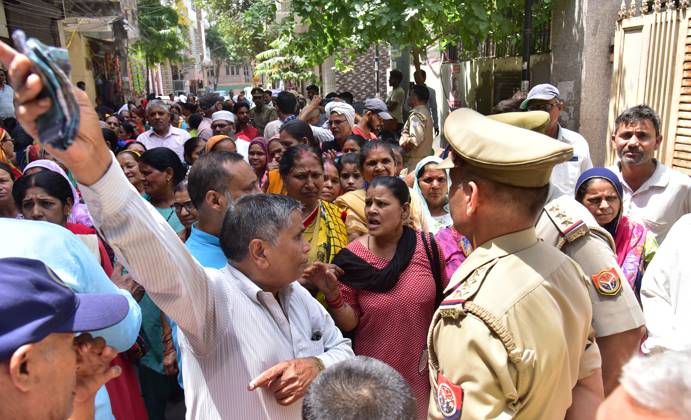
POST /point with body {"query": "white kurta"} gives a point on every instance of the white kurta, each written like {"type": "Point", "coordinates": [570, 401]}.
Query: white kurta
{"type": "Point", "coordinates": [666, 292]}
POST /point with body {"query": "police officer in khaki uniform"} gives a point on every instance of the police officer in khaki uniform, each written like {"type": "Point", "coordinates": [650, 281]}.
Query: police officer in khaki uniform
{"type": "Point", "coordinates": [565, 223]}
{"type": "Point", "coordinates": [513, 337]}
{"type": "Point", "coordinates": [417, 135]}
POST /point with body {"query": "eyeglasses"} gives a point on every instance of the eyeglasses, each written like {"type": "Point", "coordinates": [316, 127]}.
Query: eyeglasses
{"type": "Point", "coordinates": [5, 140]}
{"type": "Point", "coordinates": [335, 122]}
{"type": "Point", "coordinates": [187, 205]}
{"type": "Point", "coordinates": [219, 126]}
{"type": "Point", "coordinates": [545, 106]}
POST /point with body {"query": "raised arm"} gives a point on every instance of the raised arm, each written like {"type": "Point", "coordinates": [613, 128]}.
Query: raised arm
{"type": "Point", "coordinates": [139, 235]}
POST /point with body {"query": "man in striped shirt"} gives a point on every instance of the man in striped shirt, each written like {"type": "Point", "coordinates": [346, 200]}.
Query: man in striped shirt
{"type": "Point", "coordinates": [253, 339]}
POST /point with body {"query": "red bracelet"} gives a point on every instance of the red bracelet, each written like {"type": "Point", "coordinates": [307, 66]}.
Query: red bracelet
{"type": "Point", "coordinates": [335, 304]}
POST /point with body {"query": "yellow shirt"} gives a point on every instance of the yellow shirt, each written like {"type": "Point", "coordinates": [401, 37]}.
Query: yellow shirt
{"type": "Point", "coordinates": [275, 183]}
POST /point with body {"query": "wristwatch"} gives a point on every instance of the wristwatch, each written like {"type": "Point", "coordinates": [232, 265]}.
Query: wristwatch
{"type": "Point", "coordinates": [320, 364]}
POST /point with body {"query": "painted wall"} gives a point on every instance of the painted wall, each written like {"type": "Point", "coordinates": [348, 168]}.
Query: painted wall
{"type": "Point", "coordinates": [582, 32]}
{"type": "Point", "coordinates": [479, 76]}
{"type": "Point", "coordinates": [80, 60]}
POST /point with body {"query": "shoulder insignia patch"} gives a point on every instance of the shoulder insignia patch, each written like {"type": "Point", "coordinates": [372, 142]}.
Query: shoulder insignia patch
{"type": "Point", "coordinates": [607, 282]}
{"type": "Point", "coordinates": [449, 398]}
{"type": "Point", "coordinates": [453, 304]}
{"type": "Point", "coordinates": [569, 228]}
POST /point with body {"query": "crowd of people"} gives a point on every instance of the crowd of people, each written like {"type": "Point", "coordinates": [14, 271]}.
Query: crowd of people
{"type": "Point", "coordinates": [320, 258]}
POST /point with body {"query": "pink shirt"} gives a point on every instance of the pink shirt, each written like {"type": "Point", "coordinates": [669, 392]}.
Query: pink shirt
{"type": "Point", "coordinates": [174, 140]}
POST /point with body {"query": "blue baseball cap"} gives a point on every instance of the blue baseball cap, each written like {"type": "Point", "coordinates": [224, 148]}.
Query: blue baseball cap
{"type": "Point", "coordinates": [35, 302]}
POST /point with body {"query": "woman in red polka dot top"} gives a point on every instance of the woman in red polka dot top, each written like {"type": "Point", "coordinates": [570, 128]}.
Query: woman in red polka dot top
{"type": "Point", "coordinates": [386, 286]}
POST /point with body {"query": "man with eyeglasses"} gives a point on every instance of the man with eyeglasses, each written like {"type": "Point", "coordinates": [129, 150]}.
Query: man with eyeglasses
{"type": "Point", "coordinates": [341, 122]}
{"type": "Point", "coordinates": [223, 123]}
{"type": "Point", "coordinates": [545, 97]}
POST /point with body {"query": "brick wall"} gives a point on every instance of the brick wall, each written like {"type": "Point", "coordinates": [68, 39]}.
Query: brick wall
{"type": "Point", "coordinates": [361, 81]}
{"type": "Point", "coordinates": [166, 79]}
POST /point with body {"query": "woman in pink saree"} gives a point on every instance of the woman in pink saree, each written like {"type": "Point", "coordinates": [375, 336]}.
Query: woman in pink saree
{"type": "Point", "coordinates": [600, 191]}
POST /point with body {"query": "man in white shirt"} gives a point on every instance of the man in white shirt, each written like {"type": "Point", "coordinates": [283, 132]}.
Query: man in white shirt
{"type": "Point", "coordinates": [321, 134]}
{"type": "Point", "coordinates": [225, 123]}
{"type": "Point", "coordinates": [666, 292]}
{"type": "Point", "coordinates": [6, 98]}
{"type": "Point", "coordinates": [253, 338]}
{"type": "Point", "coordinates": [162, 133]}
{"type": "Point", "coordinates": [654, 194]}
{"type": "Point", "coordinates": [545, 97]}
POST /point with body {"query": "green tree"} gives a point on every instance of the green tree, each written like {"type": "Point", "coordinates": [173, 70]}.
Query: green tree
{"type": "Point", "coordinates": [245, 27]}
{"type": "Point", "coordinates": [320, 28]}
{"type": "Point", "coordinates": [162, 35]}
{"type": "Point", "coordinates": [244, 30]}
{"type": "Point", "coordinates": [219, 49]}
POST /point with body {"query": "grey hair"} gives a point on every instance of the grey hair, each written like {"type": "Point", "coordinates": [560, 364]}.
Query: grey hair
{"type": "Point", "coordinates": [182, 186]}
{"type": "Point", "coordinates": [359, 388]}
{"type": "Point", "coordinates": [157, 103]}
{"type": "Point", "coordinates": [660, 382]}
{"type": "Point", "coordinates": [256, 216]}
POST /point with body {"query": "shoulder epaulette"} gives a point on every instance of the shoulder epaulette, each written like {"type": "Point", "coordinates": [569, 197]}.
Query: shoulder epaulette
{"type": "Point", "coordinates": [466, 289]}
{"type": "Point", "coordinates": [570, 229]}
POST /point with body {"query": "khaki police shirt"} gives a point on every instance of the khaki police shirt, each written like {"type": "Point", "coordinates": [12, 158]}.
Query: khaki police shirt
{"type": "Point", "coordinates": [570, 226]}
{"type": "Point", "coordinates": [418, 133]}
{"type": "Point", "coordinates": [524, 343]}
{"type": "Point", "coordinates": [263, 117]}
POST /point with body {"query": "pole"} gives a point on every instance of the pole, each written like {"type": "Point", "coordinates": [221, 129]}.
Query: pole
{"type": "Point", "coordinates": [527, 35]}
{"type": "Point", "coordinates": [376, 70]}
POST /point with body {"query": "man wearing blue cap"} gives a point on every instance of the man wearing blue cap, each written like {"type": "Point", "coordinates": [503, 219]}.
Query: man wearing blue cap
{"type": "Point", "coordinates": [67, 256]}
{"type": "Point", "coordinates": [45, 372]}
{"type": "Point", "coordinates": [545, 97]}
